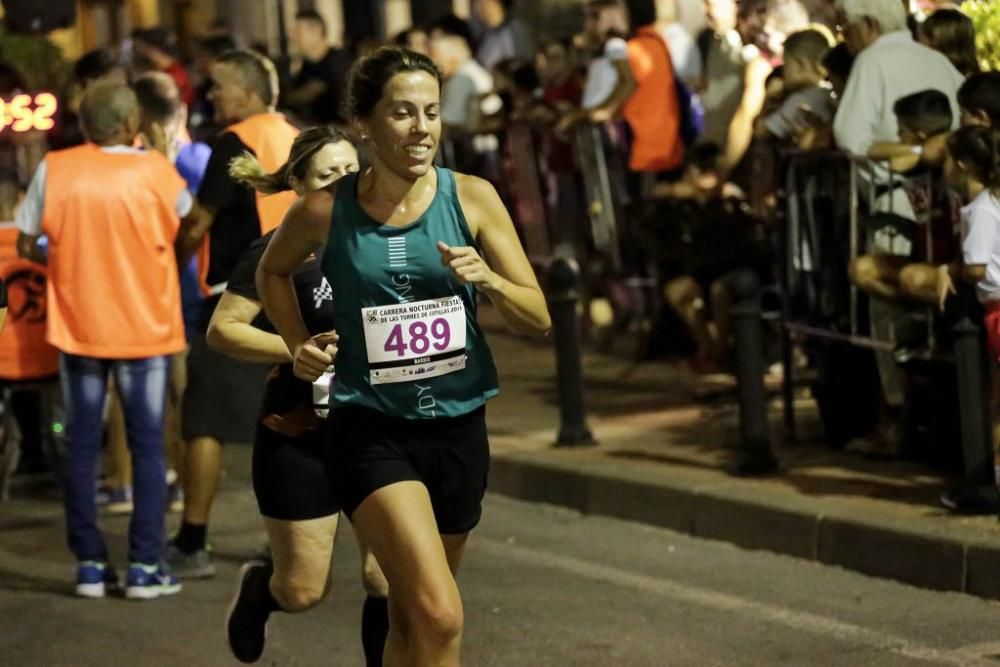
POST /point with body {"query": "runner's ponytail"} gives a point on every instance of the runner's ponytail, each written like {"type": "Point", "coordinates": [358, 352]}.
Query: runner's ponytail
{"type": "Point", "coordinates": [247, 170]}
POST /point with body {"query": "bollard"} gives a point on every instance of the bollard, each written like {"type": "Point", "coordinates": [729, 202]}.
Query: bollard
{"type": "Point", "coordinates": [756, 457]}
{"type": "Point", "coordinates": [977, 446]}
{"type": "Point", "coordinates": [563, 297]}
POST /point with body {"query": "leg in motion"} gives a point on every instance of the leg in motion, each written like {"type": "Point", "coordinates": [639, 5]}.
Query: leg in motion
{"type": "Point", "coordinates": [425, 609]}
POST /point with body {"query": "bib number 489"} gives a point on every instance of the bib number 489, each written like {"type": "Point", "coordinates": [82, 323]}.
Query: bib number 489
{"type": "Point", "coordinates": [419, 338]}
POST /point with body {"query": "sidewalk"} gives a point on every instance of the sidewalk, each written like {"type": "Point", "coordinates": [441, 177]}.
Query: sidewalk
{"type": "Point", "coordinates": [661, 458]}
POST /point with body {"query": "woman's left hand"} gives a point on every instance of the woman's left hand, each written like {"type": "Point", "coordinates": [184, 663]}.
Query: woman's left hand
{"type": "Point", "coordinates": [468, 267]}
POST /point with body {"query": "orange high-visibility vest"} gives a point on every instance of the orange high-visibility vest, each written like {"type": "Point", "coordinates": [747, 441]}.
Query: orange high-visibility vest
{"type": "Point", "coordinates": [653, 112]}
{"type": "Point", "coordinates": [111, 219]}
{"type": "Point", "coordinates": [270, 138]}
{"type": "Point", "coordinates": [24, 353]}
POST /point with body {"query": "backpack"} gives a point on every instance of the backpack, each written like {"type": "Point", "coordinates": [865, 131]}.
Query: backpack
{"type": "Point", "coordinates": [692, 113]}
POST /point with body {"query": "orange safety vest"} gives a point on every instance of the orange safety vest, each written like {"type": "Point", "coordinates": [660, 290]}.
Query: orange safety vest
{"type": "Point", "coordinates": [111, 219]}
{"type": "Point", "coordinates": [24, 353]}
{"type": "Point", "coordinates": [270, 138]}
{"type": "Point", "coordinates": [653, 111]}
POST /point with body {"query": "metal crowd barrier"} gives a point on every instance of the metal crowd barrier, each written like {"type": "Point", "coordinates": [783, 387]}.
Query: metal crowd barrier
{"type": "Point", "coordinates": [862, 190]}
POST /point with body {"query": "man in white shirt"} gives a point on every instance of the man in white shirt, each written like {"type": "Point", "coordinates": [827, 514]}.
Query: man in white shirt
{"type": "Point", "coordinates": [889, 65]}
{"type": "Point", "coordinates": [723, 70]}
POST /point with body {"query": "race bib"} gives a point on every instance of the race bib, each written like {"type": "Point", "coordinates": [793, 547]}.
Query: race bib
{"type": "Point", "coordinates": [415, 341]}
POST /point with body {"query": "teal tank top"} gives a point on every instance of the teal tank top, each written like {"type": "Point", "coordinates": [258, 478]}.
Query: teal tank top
{"type": "Point", "coordinates": [401, 315]}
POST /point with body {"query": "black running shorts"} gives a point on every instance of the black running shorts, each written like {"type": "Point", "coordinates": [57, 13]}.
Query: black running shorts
{"type": "Point", "coordinates": [290, 476]}
{"type": "Point", "coordinates": [369, 450]}
{"type": "Point", "coordinates": [223, 395]}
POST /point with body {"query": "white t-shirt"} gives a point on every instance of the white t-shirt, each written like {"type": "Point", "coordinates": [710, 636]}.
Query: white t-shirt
{"type": "Point", "coordinates": [602, 77]}
{"type": "Point", "coordinates": [684, 53]}
{"type": "Point", "coordinates": [892, 67]}
{"type": "Point", "coordinates": [981, 242]}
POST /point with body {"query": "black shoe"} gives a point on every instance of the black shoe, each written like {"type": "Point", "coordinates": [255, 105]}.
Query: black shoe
{"type": "Point", "coordinates": [979, 501]}
{"type": "Point", "coordinates": [246, 625]}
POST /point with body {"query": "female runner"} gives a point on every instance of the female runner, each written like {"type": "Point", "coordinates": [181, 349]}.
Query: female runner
{"type": "Point", "coordinates": [293, 490]}
{"type": "Point", "coordinates": [408, 247]}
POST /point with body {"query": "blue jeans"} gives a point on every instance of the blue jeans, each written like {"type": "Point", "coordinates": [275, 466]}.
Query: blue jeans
{"type": "Point", "coordinates": [142, 387]}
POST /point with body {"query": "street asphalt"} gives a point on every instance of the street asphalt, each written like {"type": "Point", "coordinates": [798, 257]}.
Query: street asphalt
{"type": "Point", "coordinates": [541, 585]}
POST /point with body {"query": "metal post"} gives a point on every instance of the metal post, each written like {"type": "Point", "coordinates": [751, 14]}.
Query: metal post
{"type": "Point", "coordinates": [563, 298]}
{"type": "Point", "coordinates": [756, 457]}
{"type": "Point", "coordinates": [977, 449]}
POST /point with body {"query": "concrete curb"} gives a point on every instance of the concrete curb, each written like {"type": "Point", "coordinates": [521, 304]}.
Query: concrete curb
{"type": "Point", "coordinates": [881, 545]}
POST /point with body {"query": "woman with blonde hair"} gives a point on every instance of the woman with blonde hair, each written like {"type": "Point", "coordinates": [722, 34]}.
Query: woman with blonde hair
{"type": "Point", "coordinates": [290, 479]}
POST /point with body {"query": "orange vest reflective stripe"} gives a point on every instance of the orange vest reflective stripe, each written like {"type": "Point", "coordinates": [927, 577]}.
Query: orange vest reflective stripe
{"type": "Point", "coordinates": [111, 219]}
{"type": "Point", "coordinates": [24, 353]}
{"type": "Point", "coordinates": [270, 138]}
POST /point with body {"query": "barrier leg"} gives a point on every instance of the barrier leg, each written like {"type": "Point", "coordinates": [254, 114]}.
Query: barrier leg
{"type": "Point", "coordinates": [977, 446]}
{"type": "Point", "coordinates": [563, 297]}
{"type": "Point", "coordinates": [756, 457]}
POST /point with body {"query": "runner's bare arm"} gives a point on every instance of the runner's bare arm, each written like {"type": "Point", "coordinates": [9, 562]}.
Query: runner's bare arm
{"type": "Point", "coordinates": [304, 229]}
{"type": "Point", "coordinates": [505, 275]}
{"type": "Point", "coordinates": [231, 332]}
{"type": "Point", "coordinates": [193, 229]}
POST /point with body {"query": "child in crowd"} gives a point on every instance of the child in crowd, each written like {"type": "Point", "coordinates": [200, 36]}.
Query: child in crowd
{"type": "Point", "coordinates": [817, 133]}
{"type": "Point", "coordinates": [979, 100]}
{"type": "Point", "coordinates": [922, 117]}
{"type": "Point", "coordinates": [973, 171]}
{"type": "Point", "coordinates": [609, 79]}
{"type": "Point", "coordinates": [807, 97]}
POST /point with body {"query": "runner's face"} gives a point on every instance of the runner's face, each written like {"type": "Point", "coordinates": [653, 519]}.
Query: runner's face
{"type": "Point", "coordinates": [405, 126]}
{"type": "Point", "coordinates": [331, 163]}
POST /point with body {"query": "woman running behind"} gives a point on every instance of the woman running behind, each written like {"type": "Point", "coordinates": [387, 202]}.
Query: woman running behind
{"type": "Point", "coordinates": [402, 254]}
{"type": "Point", "coordinates": [293, 490]}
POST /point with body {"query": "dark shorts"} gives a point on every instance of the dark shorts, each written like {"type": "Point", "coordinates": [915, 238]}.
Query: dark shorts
{"type": "Point", "coordinates": [369, 450]}
{"type": "Point", "coordinates": [223, 395]}
{"type": "Point", "coordinates": [290, 476]}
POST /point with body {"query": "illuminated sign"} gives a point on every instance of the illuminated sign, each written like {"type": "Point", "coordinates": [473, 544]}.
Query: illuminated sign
{"type": "Point", "coordinates": [24, 113]}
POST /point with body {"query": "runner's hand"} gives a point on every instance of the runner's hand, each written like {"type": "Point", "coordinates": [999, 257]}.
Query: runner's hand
{"type": "Point", "coordinates": [315, 356]}
{"type": "Point", "coordinates": [468, 267]}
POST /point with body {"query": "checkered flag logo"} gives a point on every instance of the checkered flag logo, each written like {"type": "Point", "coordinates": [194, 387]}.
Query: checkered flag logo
{"type": "Point", "coordinates": [322, 293]}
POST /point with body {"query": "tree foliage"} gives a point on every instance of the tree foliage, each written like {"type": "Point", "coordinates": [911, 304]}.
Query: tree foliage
{"type": "Point", "coordinates": [985, 15]}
